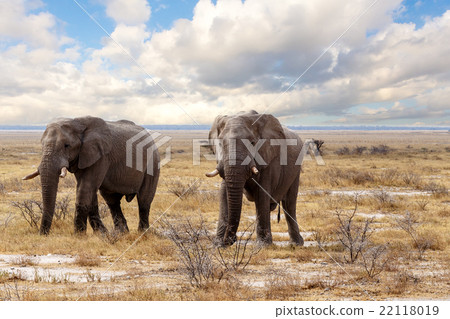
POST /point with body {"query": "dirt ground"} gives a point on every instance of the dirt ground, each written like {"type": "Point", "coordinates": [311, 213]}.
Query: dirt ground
{"type": "Point", "coordinates": [381, 195]}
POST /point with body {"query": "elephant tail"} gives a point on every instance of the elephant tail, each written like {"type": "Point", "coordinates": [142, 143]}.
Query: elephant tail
{"type": "Point", "coordinates": [279, 212]}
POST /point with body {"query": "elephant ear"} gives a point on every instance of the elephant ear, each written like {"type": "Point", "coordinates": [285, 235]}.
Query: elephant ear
{"type": "Point", "coordinates": [215, 130]}
{"type": "Point", "coordinates": [268, 128]}
{"type": "Point", "coordinates": [96, 141]}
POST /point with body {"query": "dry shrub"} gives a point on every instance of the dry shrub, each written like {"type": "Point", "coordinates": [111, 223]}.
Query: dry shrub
{"type": "Point", "coordinates": [384, 200]}
{"type": "Point", "coordinates": [354, 237]}
{"type": "Point", "coordinates": [23, 261]}
{"type": "Point", "coordinates": [281, 287]}
{"type": "Point", "coordinates": [359, 150]}
{"type": "Point", "coordinates": [343, 151]}
{"type": "Point", "coordinates": [62, 208]}
{"type": "Point", "coordinates": [445, 212]}
{"type": "Point", "coordinates": [400, 282]}
{"type": "Point", "coordinates": [422, 203]}
{"type": "Point", "coordinates": [375, 260]}
{"type": "Point", "coordinates": [2, 188]}
{"type": "Point", "coordinates": [230, 288]}
{"type": "Point", "coordinates": [30, 210]}
{"type": "Point", "coordinates": [304, 255]}
{"type": "Point", "coordinates": [436, 189]}
{"type": "Point", "coordinates": [195, 250]}
{"type": "Point", "coordinates": [381, 149]}
{"type": "Point", "coordinates": [202, 260]}
{"type": "Point", "coordinates": [85, 260]}
{"type": "Point", "coordinates": [388, 176]}
{"type": "Point", "coordinates": [338, 177]}
{"type": "Point", "coordinates": [319, 282]}
{"type": "Point", "coordinates": [7, 220]}
{"type": "Point", "coordinates": [183, 190]}
{"type": "Point", "coordinates": [411, 179]}
{"type": "Point", "coordinates": [422, 241]}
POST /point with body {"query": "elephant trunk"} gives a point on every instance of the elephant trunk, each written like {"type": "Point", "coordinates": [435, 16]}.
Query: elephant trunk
{"type": "Point", "coordinates": [235, 182]}
{"type": "Point", "coordinates": [49, 172]}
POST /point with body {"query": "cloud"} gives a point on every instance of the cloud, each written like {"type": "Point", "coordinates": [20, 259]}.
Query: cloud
{"type": "Point", "coordinates": [17, 23]}
{"type": "Point", "coordinates": [130, 12]}
{"type": "Point", "coordinates": [231, 56]}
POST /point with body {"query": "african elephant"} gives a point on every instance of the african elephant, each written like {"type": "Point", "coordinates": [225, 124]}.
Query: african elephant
{"type": "Point", "coordinates": [96, 152]}
{"type": "Point", "coordinates": [249, 148]}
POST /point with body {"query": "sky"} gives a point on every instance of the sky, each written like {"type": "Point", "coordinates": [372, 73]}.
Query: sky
{"type": "Point", "coordinates": [321, 62]}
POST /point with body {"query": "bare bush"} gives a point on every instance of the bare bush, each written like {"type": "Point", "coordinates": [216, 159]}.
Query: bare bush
{"type": "Point", "coordinates": [409, 223]}
{"type": "Point", "coordinates": [375, 259]}
{"type": "Point", "coordinates": [2, 188]}
{"type": "Point", "coordinates": [343, 151]}
{"type": "Point", "coordinates": [422, 203]}
{"type": "Point", "coordinates": [183, 190]}
{"type": "Point", "coordinates": [203, 262]}
{"type": "Point", "coordinates": [62, 208]}
{"type": "Point", "coordinates": [389, 176]}
{"type": "Point", "coordinates": [361, 178]}
{"type": "Point", "coordinates": [352, 235]}
{"type": "Point", "coordinates": [30, 210]}
{"type": "Point", "coordinates": [401, 282]}
{"type": "Point", "coordinates": [381, 149]}
{"type": "Point", "coordinates": [384, 199]}
{"type": "Point", "coordinates": [336, 176]}
{"type": "Point", "coordinates": [436, 189]}
{"type": "Point", "coordinates": [13, 292]}
{"type": "Point", "coordinates": [241, 253]}
{"type": "Point", "coordinates": [7, 220]}
{"type": "Point", "coordinates": [359, 150]}
{"type": "Point", "coordinates": [411, 179]}
{"type": "Point", "coordinates": [195, 250]}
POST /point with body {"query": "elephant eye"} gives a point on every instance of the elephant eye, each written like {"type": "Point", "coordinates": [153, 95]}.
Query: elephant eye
{"type": "Point", "coordinates": [66, 145]}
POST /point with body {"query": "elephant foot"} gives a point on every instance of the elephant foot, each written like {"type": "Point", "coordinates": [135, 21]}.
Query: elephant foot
{"type": "Point", "coordinates": [143, 227]}
{"type": "Point", "coordinates": [229, 240]}
{"type": "Point", "coordinates": [264, 242]}
{"type": "Point", "coordinates": [45, 227]}
{"type": "Point", "coordinates": [80, 221]}
{"type": "Point", "coordinates": [264, 237]}
{"type": "Point", "coordinates": [297, 240]}
{"type": "Point", "coordinates": [122, 228]}
{"type": "Point", "coordinates": [96, 221]}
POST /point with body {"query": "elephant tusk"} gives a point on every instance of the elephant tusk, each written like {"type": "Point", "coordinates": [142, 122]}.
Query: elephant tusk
{"type": "Point", "coordinates": [255, 170]}
{"type": "Point", "coordinates": [31, 176]}
{"type": "Point", "coordinates": [63, 172]}
{"type": "Point", "coordinates": [213, 173]}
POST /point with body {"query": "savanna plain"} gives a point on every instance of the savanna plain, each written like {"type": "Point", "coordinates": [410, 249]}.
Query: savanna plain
{"type": "Point", "coordinates": [375, 219]}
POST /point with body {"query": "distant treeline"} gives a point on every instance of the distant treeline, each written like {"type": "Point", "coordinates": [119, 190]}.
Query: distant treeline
{"type": "Point", "coordinates": [299, 128]}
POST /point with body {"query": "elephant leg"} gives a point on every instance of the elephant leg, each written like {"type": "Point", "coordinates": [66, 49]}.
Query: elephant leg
{"type": "Point", "coordinates": [144, 211]}
{"type": "Point", "coordinates": [113, 202]}
{"type": "Point", "coordinates": [145, 197]}
{"type": "Point", "coordinates": [80, 221]}
{"type": "Point", "coordinates": [94, 218]}
{"type": "Point", "coordinates": [87, 207]}
{"type": "Point", "coordinates": [263, 230]}
{"type": "Point", "coordinates": [289, 206]}
{"type": "Point", "coordinates": [223, 215]}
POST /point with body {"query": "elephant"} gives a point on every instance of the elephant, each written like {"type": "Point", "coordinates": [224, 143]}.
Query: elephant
{"type": "Point", "coordinates": [96, 152]}
{"type": "Point", "coordinates": [258, 169]}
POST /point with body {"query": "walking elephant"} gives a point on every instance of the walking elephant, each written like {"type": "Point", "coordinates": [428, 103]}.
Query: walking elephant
{"type": "Point", "coordinates": [96, 151]}
{"type": "Point", "coordinates": [257, 156]}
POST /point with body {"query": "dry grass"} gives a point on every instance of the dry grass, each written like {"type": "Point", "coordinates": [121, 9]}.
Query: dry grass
{"type": "Point", "coordinates": [383, 167]}
{"type": "Point", "coordinates": [85, 260]}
